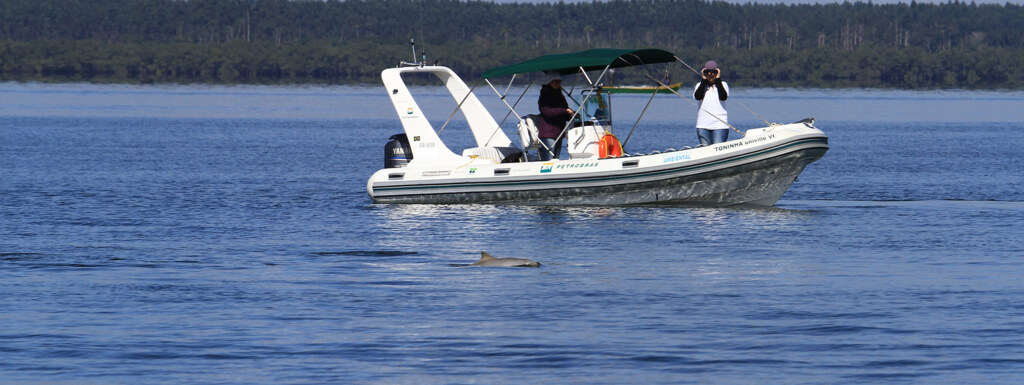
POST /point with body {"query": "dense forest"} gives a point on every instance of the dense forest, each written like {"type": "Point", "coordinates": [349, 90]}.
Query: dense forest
{"type": "Point", "coordinates": [907, 45]}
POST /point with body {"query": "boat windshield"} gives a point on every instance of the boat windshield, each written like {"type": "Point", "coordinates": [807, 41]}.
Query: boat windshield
{"type": "Point", "coordinates": [595, 108]}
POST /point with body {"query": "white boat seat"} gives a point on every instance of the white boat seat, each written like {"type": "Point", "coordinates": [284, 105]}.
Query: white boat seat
{"type": "Point", "coordinates": [497, 154]}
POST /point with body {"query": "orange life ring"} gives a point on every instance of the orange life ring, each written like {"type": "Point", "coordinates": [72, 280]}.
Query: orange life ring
{"type": "Point", "coordinates": [609, 146]}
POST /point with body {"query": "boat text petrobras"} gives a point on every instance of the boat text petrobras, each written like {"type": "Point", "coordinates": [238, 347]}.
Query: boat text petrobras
{"type": "Point", "coordinates": [548, 167]}
{"type": "Point", "coordinates": [731, 145]}
{"type": "Point", "coordinates": [576, 165]}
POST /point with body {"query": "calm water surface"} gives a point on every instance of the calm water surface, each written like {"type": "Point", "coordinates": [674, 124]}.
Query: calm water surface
{"type": "Point", "coordinates": [190, 234]}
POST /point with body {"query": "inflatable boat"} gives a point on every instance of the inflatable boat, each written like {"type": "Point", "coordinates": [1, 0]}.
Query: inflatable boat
{"type": "Point", "coordinates": [754, 169]}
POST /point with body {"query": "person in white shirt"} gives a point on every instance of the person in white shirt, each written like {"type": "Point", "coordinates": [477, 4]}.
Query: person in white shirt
{"type": "Point", "coordinates": [712, 119]}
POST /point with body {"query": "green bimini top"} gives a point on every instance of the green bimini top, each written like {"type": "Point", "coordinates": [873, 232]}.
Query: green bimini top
{"type": "Point", "coordinates": [590, 60]}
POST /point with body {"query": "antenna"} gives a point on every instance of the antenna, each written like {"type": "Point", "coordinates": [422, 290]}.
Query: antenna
{"type": "Point", "coordinates": [414, 63]}
{"type": "Point", "coordinates": [412, 42]}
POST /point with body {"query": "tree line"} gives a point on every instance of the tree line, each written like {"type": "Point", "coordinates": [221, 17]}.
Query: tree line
{"type": "Point", "coordinates": [906, 45]}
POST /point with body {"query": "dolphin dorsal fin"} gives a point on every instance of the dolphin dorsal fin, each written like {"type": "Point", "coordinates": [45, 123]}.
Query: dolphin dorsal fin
{"type": "Point", "coordinates": [485, 256]}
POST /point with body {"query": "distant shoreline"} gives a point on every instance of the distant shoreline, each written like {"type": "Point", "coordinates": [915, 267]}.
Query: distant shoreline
{"type": "Point", "coordinates": [913, 46]}
{"type": "Point", "coordinates": [325, 62]}
{"type": "Point", "coordinates": [89, 61]}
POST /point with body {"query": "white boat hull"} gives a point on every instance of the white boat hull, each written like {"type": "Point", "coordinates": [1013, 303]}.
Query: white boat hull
{"type": "Point", "coordinates": [754, 170]}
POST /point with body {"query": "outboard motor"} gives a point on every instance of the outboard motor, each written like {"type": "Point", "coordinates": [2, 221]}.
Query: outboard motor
{"type": "Point", "coordinates": [397, 152]}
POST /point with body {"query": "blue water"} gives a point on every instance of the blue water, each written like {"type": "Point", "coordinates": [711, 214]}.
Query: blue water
{"type": "Point", "coordinates": [189, 234]}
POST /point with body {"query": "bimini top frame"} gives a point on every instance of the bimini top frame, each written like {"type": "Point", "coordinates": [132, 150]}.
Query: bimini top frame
{"type": "Point", "coordinates": [598, 59]}
{"type": "Point", "coordinates": [593, 60]}
{"type": "Point", "coordinates": [590, 60]}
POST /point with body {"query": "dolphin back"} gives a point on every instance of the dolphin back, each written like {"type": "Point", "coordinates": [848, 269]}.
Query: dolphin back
{"type": "Point", "coordinates": [488, 260]}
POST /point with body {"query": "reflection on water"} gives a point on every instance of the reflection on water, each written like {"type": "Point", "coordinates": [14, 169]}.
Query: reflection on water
{"type": "Point", "coordinates": [563, 214]}
{"type": "Point", "coordinates": [407, 214]}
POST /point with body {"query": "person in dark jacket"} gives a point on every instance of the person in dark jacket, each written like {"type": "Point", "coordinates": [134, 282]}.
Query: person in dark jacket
{"type": "Point", "coordinates": [554, 112]}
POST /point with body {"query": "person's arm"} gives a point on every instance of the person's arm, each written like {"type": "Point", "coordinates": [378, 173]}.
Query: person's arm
{"type": "Point", "coordinates": [722, 93]}
{"type": "Point", "coordinates": [554, 112]}
{"type": "Point", "coordinates": [701, 89]}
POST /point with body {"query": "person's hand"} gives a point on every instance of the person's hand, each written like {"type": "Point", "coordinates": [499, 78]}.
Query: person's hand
{"type": "Point", "coordinates": [711, 75]}
{"type": "Point", "coordinates": [570, 111]}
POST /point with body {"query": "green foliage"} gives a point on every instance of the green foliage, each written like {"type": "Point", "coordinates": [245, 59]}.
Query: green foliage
{"type": "Point", "coordinates": [951, 45]}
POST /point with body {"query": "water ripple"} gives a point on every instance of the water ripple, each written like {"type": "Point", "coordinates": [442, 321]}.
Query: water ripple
{"type": "Point", "coordinates": [166, 249]}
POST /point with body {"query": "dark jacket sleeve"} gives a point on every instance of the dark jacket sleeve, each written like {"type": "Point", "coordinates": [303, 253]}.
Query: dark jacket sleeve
{"type": "Point", "coordinates": [699, 92]}
{"type": "Point", "coordinates": [722, 94]}
{"type": "Point", "coordinates": [553, 112]}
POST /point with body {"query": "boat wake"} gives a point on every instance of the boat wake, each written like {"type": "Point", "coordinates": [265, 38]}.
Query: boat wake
{"type": "Point", "coordinates": [924, 204]}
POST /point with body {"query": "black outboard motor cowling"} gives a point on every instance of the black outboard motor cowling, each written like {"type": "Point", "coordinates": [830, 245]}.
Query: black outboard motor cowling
{"type": "Point", "coordinates": [397, 152]}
